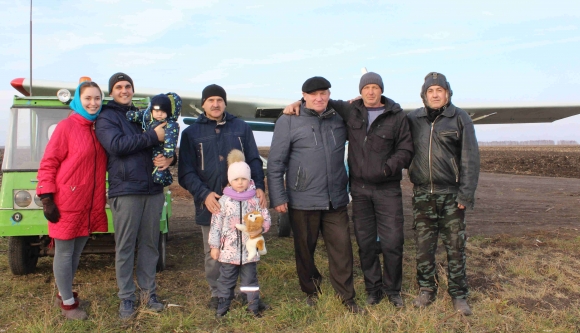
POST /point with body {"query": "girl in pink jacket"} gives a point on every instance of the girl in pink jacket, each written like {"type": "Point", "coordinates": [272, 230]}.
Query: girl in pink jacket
{"type": "Point", "coordinates": [228, 244]}
{"type": "Point", "coordinates": [71, 186]}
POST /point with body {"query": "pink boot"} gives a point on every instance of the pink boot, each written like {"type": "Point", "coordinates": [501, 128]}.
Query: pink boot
{"type": "Point", "coordinates": [73, 312]}
{"type": "Point", "coordinates": [58, 299]}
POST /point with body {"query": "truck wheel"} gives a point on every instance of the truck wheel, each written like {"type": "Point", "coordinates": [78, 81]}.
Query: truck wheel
{"type": "Point", "coordinates": [162, 252]}
{"type": "Point", "coordinates": [284, 228]}
{"type": "Point", "coordinates": [22, 257]}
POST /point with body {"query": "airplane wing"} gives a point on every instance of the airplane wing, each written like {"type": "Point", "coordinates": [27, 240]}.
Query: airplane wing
{"type": "Point", "coordinates": [243, 107]}
{"type": "Point", "coordinates": [267, 110]}
{"type": "Point", "coordinates": [520, 114]}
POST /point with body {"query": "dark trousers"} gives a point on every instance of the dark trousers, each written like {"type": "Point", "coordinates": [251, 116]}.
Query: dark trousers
{"type": "Point", "coordinates": [379, 212]}
{"type": "Point", "coordinates": [248, 282]}
{"type": "Point", "coordinates": [437, 214]}
{"type": "Point", "coordinates": [333, 224]}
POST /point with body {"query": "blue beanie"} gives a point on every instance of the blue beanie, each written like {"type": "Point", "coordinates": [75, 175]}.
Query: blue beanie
{"type": "Point", "coordinates": [77, 106]}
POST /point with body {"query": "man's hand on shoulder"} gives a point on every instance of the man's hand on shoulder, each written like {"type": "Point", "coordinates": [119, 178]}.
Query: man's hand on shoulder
{"type": "Point", "coordinates": [212, 204]}
{"type": "Point", "coordinates": [292, 109]}
{"type": "Point", "coordinates": [350, 101]}
{"type": "Point", "coordinates": [262, 196]}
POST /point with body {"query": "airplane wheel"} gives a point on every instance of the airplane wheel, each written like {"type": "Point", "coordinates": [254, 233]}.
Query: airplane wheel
{"type": "Point", "coordinates": [162, 252]}
{"type": "Point", "coordinates": [22, 256]}
{"type": "Point", "coordinates": [284, 228]}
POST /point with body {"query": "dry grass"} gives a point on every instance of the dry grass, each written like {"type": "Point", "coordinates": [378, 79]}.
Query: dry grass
{"type": "Point", "coordinates": [519, 284]}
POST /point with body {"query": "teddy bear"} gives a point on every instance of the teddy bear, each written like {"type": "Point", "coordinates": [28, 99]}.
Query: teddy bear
{"type": "Point", "coordinates": [253, 221]}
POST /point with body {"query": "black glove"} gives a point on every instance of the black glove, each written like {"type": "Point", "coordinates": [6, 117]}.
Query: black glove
{"type": "Point", "coordinates": [49, 208]}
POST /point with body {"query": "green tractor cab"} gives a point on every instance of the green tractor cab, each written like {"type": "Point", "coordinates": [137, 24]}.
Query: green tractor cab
{"type": "Point", "coordinates": [32, 122]}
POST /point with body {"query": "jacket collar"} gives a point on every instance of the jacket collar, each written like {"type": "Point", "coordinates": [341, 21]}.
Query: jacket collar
{"type": "Point", "coordinates": [329, 112]}
{"type": "Point", "coordinates": [390, 105]}
{"type": "Point", "coordinates": [120, 107]}
{"type": "Point", "coordinates": [203, 119]}
{"type": "Point", "coordinates": [77, 118]}
{"type": "Point", "coordinates": [448, 112]}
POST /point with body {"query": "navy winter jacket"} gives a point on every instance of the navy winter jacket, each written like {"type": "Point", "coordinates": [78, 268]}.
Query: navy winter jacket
{"type": "Point", "coordinates": [128, 150]}
{"type": "Point", "coordinates": [203, 153]}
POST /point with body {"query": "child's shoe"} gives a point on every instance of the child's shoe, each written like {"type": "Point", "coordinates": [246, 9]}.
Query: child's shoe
{"type": "Point", "coordinates": [223, 307]}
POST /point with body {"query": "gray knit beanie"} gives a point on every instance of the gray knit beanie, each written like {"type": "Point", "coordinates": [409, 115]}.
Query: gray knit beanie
{"type": "Point", "coordinates": [370, 78]}
{"type": "Point", "coordinates": [435, 79]}
{"type": "Point", "coordinates": [117, 77]}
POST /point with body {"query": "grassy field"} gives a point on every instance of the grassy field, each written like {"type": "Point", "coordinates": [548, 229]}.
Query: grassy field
{"type": "Point", "coordinates": [523, 284]}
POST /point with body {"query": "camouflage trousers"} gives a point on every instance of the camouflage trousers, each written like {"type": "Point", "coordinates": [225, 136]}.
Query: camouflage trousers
{"type": "Point", "coordinates": [434, 215]}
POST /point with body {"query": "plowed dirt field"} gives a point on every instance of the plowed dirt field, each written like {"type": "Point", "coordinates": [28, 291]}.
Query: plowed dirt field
{"type": "Point", "coordinates": [521, 189]}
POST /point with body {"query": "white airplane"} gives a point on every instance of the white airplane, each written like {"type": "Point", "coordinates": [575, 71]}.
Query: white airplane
{"type": "Point", "coordinates": [261, 113]}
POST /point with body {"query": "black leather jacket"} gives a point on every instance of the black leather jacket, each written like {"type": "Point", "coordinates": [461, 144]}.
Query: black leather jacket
{"type": "Point", "coordinates": [446, 154]}
{"type": "Point", "coordinates": [378, 156]}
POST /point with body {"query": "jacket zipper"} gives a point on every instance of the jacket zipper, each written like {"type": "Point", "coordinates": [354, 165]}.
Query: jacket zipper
{"type": "Point", "coordinates": [333, 138]}
{"type": "Point", "coordinates": [240, 234]}
{"type": "Point", "coordinates": [430, 153]}
{"type": "Point", "coordinates": [450, 132]}
{"type": "Point", "coordinates": [201, 153]}
{"type": "Point", "coordinates": [297, 178]}
{"type": "Point", "coordinates": [362, 163]}
{"type": "Point", "coordinates": [455, 169]}
{"type": "Point", "coordinates": [95, 182]}
{"type": "Point", "coordinates": [241, 145]}
{"type": "Point", "coordinates": [313, 133]}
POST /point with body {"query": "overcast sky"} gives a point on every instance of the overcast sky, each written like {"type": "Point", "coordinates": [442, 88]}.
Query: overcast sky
{"type": "Point", "coordinates": [492, 52]}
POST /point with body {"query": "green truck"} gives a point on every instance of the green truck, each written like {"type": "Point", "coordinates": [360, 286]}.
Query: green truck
{"type": "Point", "coordinates": [32, 121]}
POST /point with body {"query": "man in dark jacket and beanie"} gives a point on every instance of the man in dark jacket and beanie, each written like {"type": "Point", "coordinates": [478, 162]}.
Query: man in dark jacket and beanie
{"type": "Point", "coordinates": [307, 154]}
{"type": "Point", "coordinates": [202, 170]}
{"type": "Point", "coordinates": [444, 172]}
{"type": "Point", "coordinates": [380, 146]}
{"type": "Point", "coordinates": [136, 201]}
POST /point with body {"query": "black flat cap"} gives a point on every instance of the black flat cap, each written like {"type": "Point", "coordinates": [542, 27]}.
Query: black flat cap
{"type": "Point", "coordinates": [315, 83]}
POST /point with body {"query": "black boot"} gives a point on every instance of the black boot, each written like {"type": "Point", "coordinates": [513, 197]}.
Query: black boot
{"type": "Point", "coordinates": [223, 307]}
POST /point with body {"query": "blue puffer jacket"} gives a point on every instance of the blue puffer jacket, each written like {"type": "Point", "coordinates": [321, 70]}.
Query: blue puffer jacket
{"type": "Point", "coordinates": [203, 153]}
{"type": "Point", "coordinates": [128, 150]}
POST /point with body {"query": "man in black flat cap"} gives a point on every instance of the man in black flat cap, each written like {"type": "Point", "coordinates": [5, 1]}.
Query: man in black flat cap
{"type": "Point", "coordinates": [307, 154]}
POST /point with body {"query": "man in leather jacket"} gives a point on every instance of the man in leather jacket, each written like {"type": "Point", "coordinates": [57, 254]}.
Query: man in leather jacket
{"type": "Point", "coordinates": [444, 172]}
